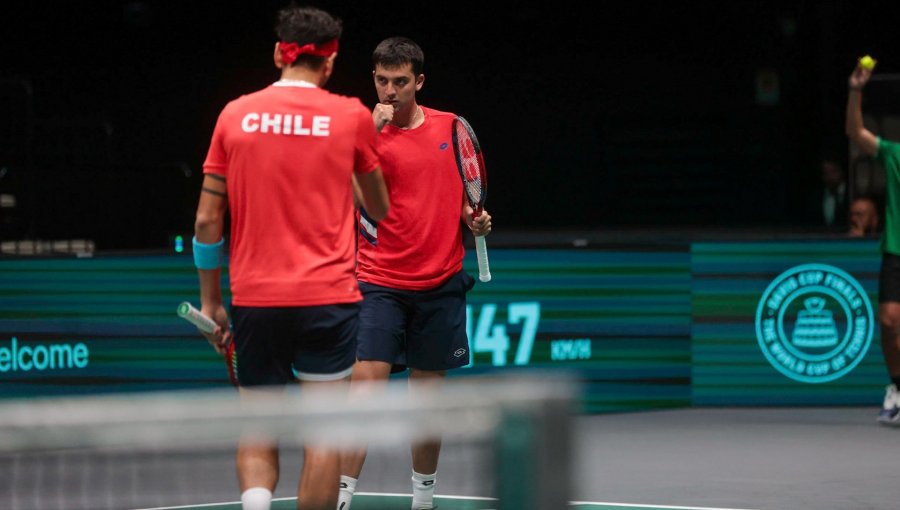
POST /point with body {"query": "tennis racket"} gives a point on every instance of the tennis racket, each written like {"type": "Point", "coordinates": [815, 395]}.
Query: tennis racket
{"type": "Point", "coordinates": [470, 163]}
{"type": "Point", "coordinates": [187, 312]}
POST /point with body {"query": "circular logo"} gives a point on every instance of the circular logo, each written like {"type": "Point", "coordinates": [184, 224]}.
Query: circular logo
{"type": "Point", "coordinates": [814, 323]}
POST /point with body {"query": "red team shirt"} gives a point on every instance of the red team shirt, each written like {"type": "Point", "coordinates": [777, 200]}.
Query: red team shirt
{"type": "Point", "coordinates": [287, 153]}
{"type": "Point", "coordinates": [418, 245]}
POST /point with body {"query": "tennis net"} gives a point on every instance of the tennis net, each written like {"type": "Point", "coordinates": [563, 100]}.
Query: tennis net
{"type": "Point", "coordinates": [503, 437]}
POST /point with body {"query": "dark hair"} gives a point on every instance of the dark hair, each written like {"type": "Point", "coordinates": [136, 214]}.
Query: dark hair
{"type": "Point", "coordinates": [304, 25]}
{"type": "Point", "coordinates": [834, 161]}
{"type": "Point", "coordinates": [394, 52]}
{"type": "Point", "coordinates": [869, 198]}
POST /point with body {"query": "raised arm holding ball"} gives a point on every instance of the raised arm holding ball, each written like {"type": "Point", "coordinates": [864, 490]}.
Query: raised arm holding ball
{"type": "Point", "coordinates": [888, 154]}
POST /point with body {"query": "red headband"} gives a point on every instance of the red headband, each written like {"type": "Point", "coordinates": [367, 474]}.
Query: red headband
{"type": "Point", "coordinates": [290, 51]}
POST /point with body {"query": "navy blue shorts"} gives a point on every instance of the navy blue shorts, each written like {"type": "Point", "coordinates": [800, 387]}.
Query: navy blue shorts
{"type": "Point", "coordinates": [309, 343]}
{"type": "Point", "coordinates": [889, 279]}
{"type": "Point", "coordinates": [425, 330]}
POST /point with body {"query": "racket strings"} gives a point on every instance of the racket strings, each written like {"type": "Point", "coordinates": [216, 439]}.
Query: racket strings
{"type": "Point", "coordinates": [470, 163]}
{"type": "Point", "coordinates": [473, 189]}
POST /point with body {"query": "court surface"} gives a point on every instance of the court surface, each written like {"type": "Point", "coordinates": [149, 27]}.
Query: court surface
{"type": "Point", "coordinates": [822, 458]}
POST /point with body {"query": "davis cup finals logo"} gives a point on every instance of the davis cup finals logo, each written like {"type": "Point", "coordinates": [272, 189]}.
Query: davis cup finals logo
{"type": "Point", "coordinates": [814, 323]}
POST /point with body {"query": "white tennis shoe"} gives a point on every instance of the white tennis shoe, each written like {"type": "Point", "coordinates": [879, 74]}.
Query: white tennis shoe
{"type": "Point", "coordinates": [890, 410]}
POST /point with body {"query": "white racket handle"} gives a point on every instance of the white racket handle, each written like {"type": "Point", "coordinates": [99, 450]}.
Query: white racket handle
{"type": "Point", "coordinates": [187, 312]}
{"type": "Point", "coordinates": [484, 270]}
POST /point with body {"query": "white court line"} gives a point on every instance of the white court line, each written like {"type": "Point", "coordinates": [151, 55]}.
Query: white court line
{"type": "Point", "coordinates": [437, 496]}
{"type": "Point", "coordinates": [205, 505]}
{"type": "Point", "coordinates": [466, 498]}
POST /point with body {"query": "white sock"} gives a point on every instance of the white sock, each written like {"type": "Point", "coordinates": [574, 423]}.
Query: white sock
{"type": "Point", "coordinates": [256, 498]}
{"type": "Point", "coordinates": [423, 490]}
{"type": "Point", "coordinates": [345, 494]}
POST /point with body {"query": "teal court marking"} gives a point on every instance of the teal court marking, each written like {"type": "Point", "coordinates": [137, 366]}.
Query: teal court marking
{"type": "Point", "coordinates": [383, 501]}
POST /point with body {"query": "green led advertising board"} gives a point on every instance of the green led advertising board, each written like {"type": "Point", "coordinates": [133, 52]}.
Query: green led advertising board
{"type": "Point", "coordinates": [618, 321]}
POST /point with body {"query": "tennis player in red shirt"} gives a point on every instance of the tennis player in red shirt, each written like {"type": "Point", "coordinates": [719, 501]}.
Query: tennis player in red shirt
{"type": "Point", "coordinates": [281, 163]}
{"type": "Point", "coordinates": [410, 262]}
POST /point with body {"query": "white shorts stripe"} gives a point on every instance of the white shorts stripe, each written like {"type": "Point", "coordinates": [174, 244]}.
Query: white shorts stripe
{"type": "Point", "coordinates": [322, 377]}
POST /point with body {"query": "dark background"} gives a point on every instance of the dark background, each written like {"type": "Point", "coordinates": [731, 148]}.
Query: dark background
{"type": "Point", "coordinates": [592, 115]}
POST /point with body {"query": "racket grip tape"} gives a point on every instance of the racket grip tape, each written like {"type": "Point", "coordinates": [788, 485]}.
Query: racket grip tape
{"type": "Point", "coordinates": [187, 312]}
{"type": "Point", "coordinates": [484, 270]}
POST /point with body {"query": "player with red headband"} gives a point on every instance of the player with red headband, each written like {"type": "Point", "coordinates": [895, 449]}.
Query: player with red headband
{"type": "Point", "coordinates": [410, 263]}
{"type": "Point", "coordinates": [281, 162]}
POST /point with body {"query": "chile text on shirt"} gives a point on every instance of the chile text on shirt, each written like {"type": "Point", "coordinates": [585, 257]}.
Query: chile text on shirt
{"type": "Point", "coordinates": [286, 124]}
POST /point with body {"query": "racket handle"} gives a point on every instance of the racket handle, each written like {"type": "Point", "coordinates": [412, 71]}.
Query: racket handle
{"type": "Point", "coordinates": [187, 312]}
{"type": "Point", "coordinates": [484, 270]}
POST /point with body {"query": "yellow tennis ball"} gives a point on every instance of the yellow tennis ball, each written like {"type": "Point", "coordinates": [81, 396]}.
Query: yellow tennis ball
{"type": "Point", "coordinates": [867, 62]}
